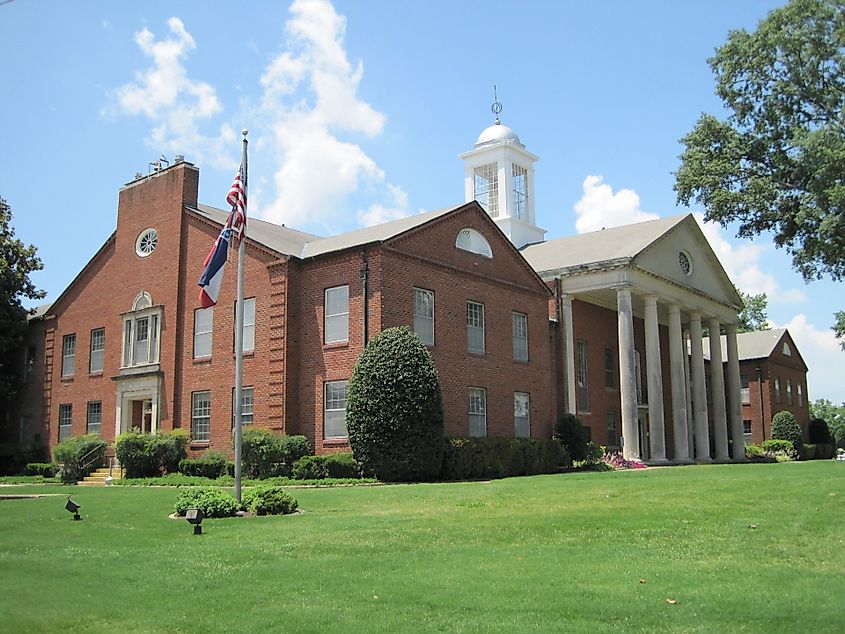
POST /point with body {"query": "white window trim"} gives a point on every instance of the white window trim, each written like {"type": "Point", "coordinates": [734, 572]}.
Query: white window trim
{"type": "Point", "coordinates": [251, 413]}
{"type": "Point", "coordinates": [472, 395]}
{"type": "Point", "coordinates": [201, 417]}
{"type": "Point", "coordinates": [101, 352]}
{"type": "Point", "coordinates": [518, 338]}
{"type": "Point", "coordinates": [327, 410]}
{"type": "Point", "coordinates": [88, 417]}
{"type": "Point", "coordinates": [65, 423]}
{"type": "Point", "coordinates": [342, 314]}
{"type": "Point", "coordinates": [527, 418]}
{"type": "Point", "coordinates": [202, 333]}
{"type": "Point", "coordinates": [424, 317]}
{"type": "Point", "coordinates": [68, 359]}
{"type": "Point", "coordinates": [473, 328]}
{"type": "Point", "coordinates": [130, 319]}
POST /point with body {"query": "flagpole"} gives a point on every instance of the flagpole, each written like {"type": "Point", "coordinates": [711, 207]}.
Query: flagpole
{"type": "Point", "coordinates": [239, 341]}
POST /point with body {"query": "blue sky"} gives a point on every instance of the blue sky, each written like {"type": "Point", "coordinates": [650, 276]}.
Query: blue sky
{"type": "Point", "coordinates": [357, 111]}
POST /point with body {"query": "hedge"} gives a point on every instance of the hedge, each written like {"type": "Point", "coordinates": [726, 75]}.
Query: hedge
{"type": "Point", "coordinates": [150, 455]}
{"type": "Point", "coordinates": [266, 455]}
{"type": "Point", "coordinates": [212, 501]}
{"type": "Point", "coordinates": [482, 458]}
{"type": "Point", "coordinates": [45, 469]}
{"type": "Point", "coordinates": [212, 465]}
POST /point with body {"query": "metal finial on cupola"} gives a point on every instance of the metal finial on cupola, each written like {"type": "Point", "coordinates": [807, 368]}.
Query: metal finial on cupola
{"type": "Point", "coordinates": [496, 107]}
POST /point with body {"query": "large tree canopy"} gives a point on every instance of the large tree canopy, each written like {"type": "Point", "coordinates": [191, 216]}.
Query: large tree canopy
{"type": "Point", "coordinates": [777, 163]}
{"type": "Point", "coordinates": [754, 315]}
{"type": "Point", "coordinates": [17, 261]}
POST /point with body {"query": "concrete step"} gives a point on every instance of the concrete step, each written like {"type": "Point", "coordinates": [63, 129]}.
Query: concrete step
{"type": "Point", "coordinates": [98, 477]}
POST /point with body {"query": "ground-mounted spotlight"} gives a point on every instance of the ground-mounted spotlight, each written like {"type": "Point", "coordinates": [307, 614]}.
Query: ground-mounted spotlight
{"type": "Point", "coordinates": [194, 516]}
{"type": "Point", "coordinates": [73, 507]}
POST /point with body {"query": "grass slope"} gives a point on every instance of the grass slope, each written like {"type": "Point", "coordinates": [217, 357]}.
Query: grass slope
{"type": "Point", "coordinates": [538, 554]}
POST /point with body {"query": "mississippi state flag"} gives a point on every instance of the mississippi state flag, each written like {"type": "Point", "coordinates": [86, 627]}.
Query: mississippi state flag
{"type": "Point", "coordinates": [212, 276]}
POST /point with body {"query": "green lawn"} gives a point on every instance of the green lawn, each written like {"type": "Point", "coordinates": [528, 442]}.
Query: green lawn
{"type": "Point", "coordinates": [586, 552]}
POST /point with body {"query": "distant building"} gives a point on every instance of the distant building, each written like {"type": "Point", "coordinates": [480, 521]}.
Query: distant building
{"type": "Point", "coordinates": [521, 329]}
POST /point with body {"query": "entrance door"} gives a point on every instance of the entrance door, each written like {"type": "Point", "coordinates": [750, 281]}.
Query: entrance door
{"type": "Point", "coordinates": [142, 415]}
{"type": "Point", "coordinates": [642, 425]}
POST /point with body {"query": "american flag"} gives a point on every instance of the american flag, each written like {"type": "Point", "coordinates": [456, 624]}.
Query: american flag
{"type": "Point", "coordinates": [237, 198]}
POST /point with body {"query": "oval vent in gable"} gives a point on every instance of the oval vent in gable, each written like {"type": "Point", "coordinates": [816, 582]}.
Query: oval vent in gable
{"type": "Point", "coordinates": [472, 241]}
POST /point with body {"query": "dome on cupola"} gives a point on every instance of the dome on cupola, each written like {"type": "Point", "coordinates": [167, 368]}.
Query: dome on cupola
{"type": "Point", "coordinates": [497, 133]}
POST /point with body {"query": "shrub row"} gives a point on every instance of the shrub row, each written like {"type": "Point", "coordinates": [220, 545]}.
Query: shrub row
{"type": "Point", "coordinates": [265, 454]}
{"type": "Point", "coordinates": [215, 502]}
{"type": "Point", "coordinates": [212, 465]}
{"type": "Point", "coordinates": [150, 455]}
{"type": "Point", "coordinates": [336, 465]}
{"type": "Point", "coordinates": [473, 458]}
{"type": "Point", "coordinates": [44, 469]}
{"type": "Point", "coordinates": [15, 456]}
{"type": "Point", "coordinates": [71, 452]}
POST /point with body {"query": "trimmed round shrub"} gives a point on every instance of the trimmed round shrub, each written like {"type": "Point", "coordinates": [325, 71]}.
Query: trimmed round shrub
{"type": "Point", "coordinates": [784, 427]}
{"type": "Point", "coordinates": [265, 454]}
{"type": "Point", "coordinates": [310, 468]}
{"type": "Point", "coordinates": [212, 501]}
{"type": "Point", "coordinates": [819, 432]}
{"type": "Point", "coordinates": [211, 465]}
{"type": "Point", "coordinates": [394, 409]}
{"type": "Point", "coordinates": [269, 500]}
{"type": "Point", "coordinates": [342, 465]}
{"type": "Point", "coordinates": [572, 434]}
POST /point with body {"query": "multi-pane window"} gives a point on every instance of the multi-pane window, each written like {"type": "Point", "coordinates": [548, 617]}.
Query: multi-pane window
{"type": "Point", "coordinates": [475, 327]}
{"type": "Point", "coordinates": [246, 405]}
{"type": "Point", "coordinates": [201, 416]}
{"type": "Point", "coordinates": [68, 355]}
{"type": "Point", "coordinates": [777, 389]}
{"type": "Point", "coordinates": [746, 427]}
{"type": "Point", "coordinates": [789, 391]}
{"type": "Point", "coordinates": [582, 389]}
{"type": "Point", "coordinates": [745, 391]}
{"type": "Point", "coordinates": [519, 332]}
{"type": "Point", "coordinates": [249, 324]}
{"type": "Point", "coordinates": [98, 347]}
{"type": "Point", "coordinates": [65, 421]}
{"type": "Point", "coordinates": [519, 177]}
{"type": "Point", "coordinates": [334, 409]}
{"type": "Point", "coordinates": [609, 367]}
{"type": "Point", "coordinates": [486, 188]}
{"type": "Point", "coordinates": [203, 321]}
{"type": "Point", "coordinates": [141, 333]}
{"type": "Point", "coordinates": [337, 314]}
{"type": "Point", "coordinates": [472, 241]}
{"type": "Point", "coordinates": [477, 412]}
{"type": "Point", "coordinates": [800, 395]}
{"type": "Point", "coordinates": [612, 434]}
{"type": "Point", "coordinates": [521, 417]}
{"type": "Point", "coordinates": [95, 416]}
{"type": "Point", "coordinates": [424, 315]}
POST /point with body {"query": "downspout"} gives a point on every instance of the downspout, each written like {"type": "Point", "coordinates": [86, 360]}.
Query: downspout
{"type": "Point", "coordinates": [560, 354]}
{"type": "Point", "coordinates": [364, 292]}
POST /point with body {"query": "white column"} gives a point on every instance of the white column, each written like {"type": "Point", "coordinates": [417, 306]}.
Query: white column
{"type": "Point", "coordinates": [569, 352]}
{"type": "Point", "coordinates": [734, 395]}
{"type": "Point", "coordinates": [717, 391]}
{"type": "Point", "coordinates": [688, 393]}
{"type": "Point", "coordinates": [678, 374]}
{"type": "Point", "coordinates": [699, 391]}
{"type": "Point", "coordinates": [627, 384]}
{"type": "Point", "coordinates": [654, 372]}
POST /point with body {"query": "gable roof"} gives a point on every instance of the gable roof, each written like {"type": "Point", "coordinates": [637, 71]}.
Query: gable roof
{"type": "Point", "coordinates": [760, 344]}
{"type": "Point", "coordinates": [607, 245]}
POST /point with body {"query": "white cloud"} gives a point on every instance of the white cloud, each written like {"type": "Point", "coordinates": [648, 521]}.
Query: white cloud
{"type": "Point", "coordinates": [742, 264]}
{"type": "Point", "coordinates": [820, 351]}
{"type": "Point", "coordinates": [174, 103]}
{"type": "Point", "coordinates": [600, 208]}
{"type": "Point", "coordinates": [310, 99]}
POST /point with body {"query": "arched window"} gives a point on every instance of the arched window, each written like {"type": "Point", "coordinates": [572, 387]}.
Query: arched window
{"type": "Point", "coordinates": [472, 241]}
{"type": "Point", "coordinates": [141, 332]}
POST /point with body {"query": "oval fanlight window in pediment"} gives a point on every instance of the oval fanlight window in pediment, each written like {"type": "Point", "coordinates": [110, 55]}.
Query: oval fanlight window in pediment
{"type": "Point", "coordinates": [472, 241]}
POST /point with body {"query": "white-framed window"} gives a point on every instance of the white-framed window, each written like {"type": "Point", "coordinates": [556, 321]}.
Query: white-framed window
{"type": "Point", "coordinates": [581, 382]}
{"type": "Point", "coordinates": [475, 327]}
{"type": "Point", "coordinates": [745, 391]}
{"type": "Point", "coordinates": [786, 349]}
{"type": "Point", "coordinates": [521, 414]}
{"type": "Point", "coordinates": [201, 416]}
{"type": "Point", "coordinates": [609, 367]}
{"type": "Point", "coordinates": [477, 412]}
{"type": "Point", "coordinates": [95, 416]}
{"type": "Point", "coordinates": [789, 391]}
{"type": "Point", "coordinates": [800, 394]}
{"type": "Point", "coordinates": [777, 389]}
{"type": "Point", "coordinates": [519, 179]}
{"type": "Point", "coordinates": [203, 327]}
{"type": "Point", "coordinates": [746, 428]}
{"type": "Point", "coordinates": [472, 241]}
{"type": "Point", "coordinates": [98, 347]}
{"type": "Point", "coordinates": [336, 310]}
{"type": "Point", "coordinates": [519, 334]}
{"type": "Point", "coordinates": [247, 394]}
{"type": "Point", "coordinates": [141, 330]}
{"type": "Point", "coordinates": [65, 421]}
{"type": "Point", "coordinates": [486, 187]}
{"type": "Point", "coordinates": [68, 355]}
{"type": "Point", "coordinates": [334, 409]}
{"type": "Point", "coordinates": [424, 315]}
{"type": "Point", "coordinates": [249, 324]}
{"type": "Point", "coordinates": [612, 434]}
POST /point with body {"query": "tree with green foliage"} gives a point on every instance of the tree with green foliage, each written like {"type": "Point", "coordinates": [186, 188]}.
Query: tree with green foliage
{"type": "Point", "coordinates": [775, 164]}
{"type": "Point", "coordinates": [833, 415]}
{"type": "Point", "coordinates": [838, 327]}
{"type": "Point", "coordinates": [17, 262]}
{"type": "Point", "coordinates": [394, 409]}
{"type": "Point", "coordinates": [572, 434]}
{"type": "Point", "coordinates": [754, 315]}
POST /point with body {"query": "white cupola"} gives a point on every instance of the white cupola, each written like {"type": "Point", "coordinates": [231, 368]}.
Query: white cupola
{"type": "Point", "coordinates": [499, 174]}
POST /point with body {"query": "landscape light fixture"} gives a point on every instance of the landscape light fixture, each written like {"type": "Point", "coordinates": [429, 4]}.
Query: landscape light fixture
{"type": "Point", "coordinates": [73, 507]}
{"type": "Point", "coordinates": [194, 516]}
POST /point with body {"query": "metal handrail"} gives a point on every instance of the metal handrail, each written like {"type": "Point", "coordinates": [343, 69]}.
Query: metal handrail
{"type": "Point", "coordinates": [87, 460]}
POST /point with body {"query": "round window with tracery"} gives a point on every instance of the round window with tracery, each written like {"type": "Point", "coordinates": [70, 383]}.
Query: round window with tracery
{"type": "Point", "coordinates": [146, 242]}
{"type": "Point", "coordinates": [684, 262]}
